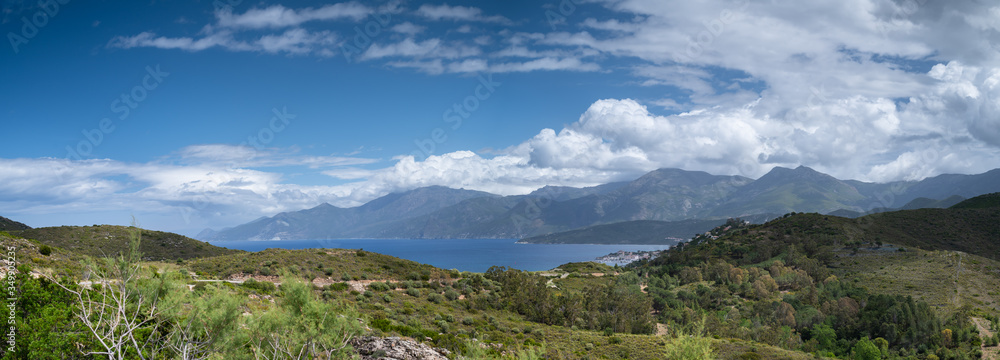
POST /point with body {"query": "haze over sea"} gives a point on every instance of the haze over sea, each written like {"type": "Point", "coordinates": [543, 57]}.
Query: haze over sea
{"type": "Point", "coordinates": [476, 255]}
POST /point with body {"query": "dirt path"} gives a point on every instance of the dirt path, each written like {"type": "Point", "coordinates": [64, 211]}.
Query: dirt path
{"type": "Point", "coordinates": [989, 353]}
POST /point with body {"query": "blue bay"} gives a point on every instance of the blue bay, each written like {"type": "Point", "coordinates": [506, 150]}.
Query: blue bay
{"type": "Point", "coordinates": [475, 255]}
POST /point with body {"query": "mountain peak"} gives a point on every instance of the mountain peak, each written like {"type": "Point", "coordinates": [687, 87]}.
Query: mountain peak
{"type": "Point", "coordinates": [800, 171]}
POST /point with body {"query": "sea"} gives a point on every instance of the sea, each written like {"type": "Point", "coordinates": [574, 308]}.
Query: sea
{"type": "Point", "coordinates": [475, 255]}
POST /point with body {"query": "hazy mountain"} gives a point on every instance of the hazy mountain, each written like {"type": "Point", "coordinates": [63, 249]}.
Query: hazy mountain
{"type": "Point", "coordinates": [563, 193]}
{"type": "Point", "coordinates": [330, 222]}
{"type": "Point", "coordinates": [662, 195]}
{"type": "Point", "coordinates": [785, 190]}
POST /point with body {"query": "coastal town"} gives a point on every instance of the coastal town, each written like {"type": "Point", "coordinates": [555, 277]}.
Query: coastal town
{"type": "Point", "coordinates": [622, 257]}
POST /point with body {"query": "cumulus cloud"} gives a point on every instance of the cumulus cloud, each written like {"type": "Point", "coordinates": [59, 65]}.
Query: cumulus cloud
{"type": "Point", "coordinates": [198, 187]}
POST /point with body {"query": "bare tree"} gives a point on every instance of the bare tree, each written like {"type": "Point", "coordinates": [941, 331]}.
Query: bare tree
{"type": "Point", "coordinates": [117, 307]}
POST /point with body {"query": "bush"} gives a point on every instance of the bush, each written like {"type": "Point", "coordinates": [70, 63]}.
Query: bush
{"type": "Point", "coordinates": [379, 286]}
{"type": "Point", "coordinates": [413, 292]}
{"type": "Point", "coordinates": [690, 346]}
{"type": "Point", "coordinates": [435, 298]}
{"type": "Point", "coordinates": [451, 295]}
{"type": "Point", "coordinates": [45, 250]}
{"type": "Point", "coordinates": [263, 287]}
{"type": "Point", "coordinates": [338, 286]}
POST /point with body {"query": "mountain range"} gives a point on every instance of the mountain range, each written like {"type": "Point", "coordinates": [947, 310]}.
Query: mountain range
{"type": "Point", "coordinates": [668, 195]}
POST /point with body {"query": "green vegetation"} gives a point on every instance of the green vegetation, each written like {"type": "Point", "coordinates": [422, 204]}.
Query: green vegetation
{"type": "Point", "coordinates": [980, 202]}
{"type": "Point", "coordinates": [111, 240]}
{"type": "Point", "coordinates": [11, 225]}
{"type": "Point", "coordinates": [328, 264]}
{"type": "Point", "coordinates": [587, 267]}
{"type": "Point", "coordinates": [776, 284]}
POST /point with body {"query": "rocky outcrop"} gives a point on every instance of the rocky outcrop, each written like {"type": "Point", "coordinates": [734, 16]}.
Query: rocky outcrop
{"type": "Point", "coordinates": [395, 348]}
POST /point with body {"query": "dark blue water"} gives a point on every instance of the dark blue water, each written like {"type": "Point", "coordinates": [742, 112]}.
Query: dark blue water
{"type": "Point", "coordinates": [475, 255]}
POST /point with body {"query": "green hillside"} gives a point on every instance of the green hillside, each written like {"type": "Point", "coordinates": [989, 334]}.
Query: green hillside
{"type": "Point", "coordinates": [11, 225]}
{"type": "Point", "coordinates": [102, 240]}
{"type": "Point", "coordinates": [980, 202]}
{"type": "Point", "coordinates": [914, 279]}
{"type": "Point", "coordinates": [970, 230]}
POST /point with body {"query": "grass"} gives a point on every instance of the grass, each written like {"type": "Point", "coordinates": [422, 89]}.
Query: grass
{"type": "Point", "coordinates": [946, 280]}
{"type": "Point", "coordinates": [59, 262]}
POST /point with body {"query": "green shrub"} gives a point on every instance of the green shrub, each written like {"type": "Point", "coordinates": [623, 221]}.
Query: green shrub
{"type": "Point", "coordinates": [379, 286]}
{"type": "Point", "coordinates": [435, 298]}
{"type": "Point", "coordinates": [382, 324]}
{"type": "Point", "coordinates": [263, 287]}
{"type": "Point", "coordinates": [692, 346]}
{"type": "Point", "coordinates": [338, 286]}
{"type": "Point", "coordinates": [413, 292]}
{"type": "Point", "coordinates": [45, 250]}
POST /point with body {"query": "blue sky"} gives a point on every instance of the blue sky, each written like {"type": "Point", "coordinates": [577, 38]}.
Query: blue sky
{"type": "Point", "coordinates": [210, 114]}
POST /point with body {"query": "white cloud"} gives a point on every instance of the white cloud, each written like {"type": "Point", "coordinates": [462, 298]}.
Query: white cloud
{"type": "Point", "coordinates": [229, 31]}
{"type": "Point", "coordinates": [198, 187]}
{"type": "Point", "coordinates": [457, 13]}
{"type": "Point", "coordinates": [610, 25]}
{"type": "Point", "coordinates": [292, 41]}
{"type": "Point", "coordinates": [408, 28]}
{"type": "Point", "coordinates": [148, 39]}
{"type": "Point", "coordinates": [278, 16]}
{"type": "Point", "coordinates": [435, 48]}
{"type": "Point", "coordinates": [295, 41]}
{"type": "Point", "coordinates": [477, 65]}
{"type": "Point", "coordinates": [548, 63]}
{"type": "Point", "coordinates": [245, 156]}
{"type": "Point", "coordinates": [433, 67]}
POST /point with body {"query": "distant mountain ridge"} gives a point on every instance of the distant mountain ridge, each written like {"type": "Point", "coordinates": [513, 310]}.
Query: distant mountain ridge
{"type": "Point", "coordinates": [661, 195]}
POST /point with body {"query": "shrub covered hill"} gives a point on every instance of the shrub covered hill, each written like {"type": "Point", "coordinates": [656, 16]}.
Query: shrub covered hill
{"type": "Point", "coordinates": [908, 282]}
{"type": "Point", "coordinates": [109, 240]}
{"type": "Point", "coordinates": [10, 225]}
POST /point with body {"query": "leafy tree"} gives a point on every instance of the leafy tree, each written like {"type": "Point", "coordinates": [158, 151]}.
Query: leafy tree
{"type": "Point", "coordinates": [825, 336]}
{"type": "Point", "coordinates": [866, 350]}
{"type": "Point", "coordinates": [46, 327]}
